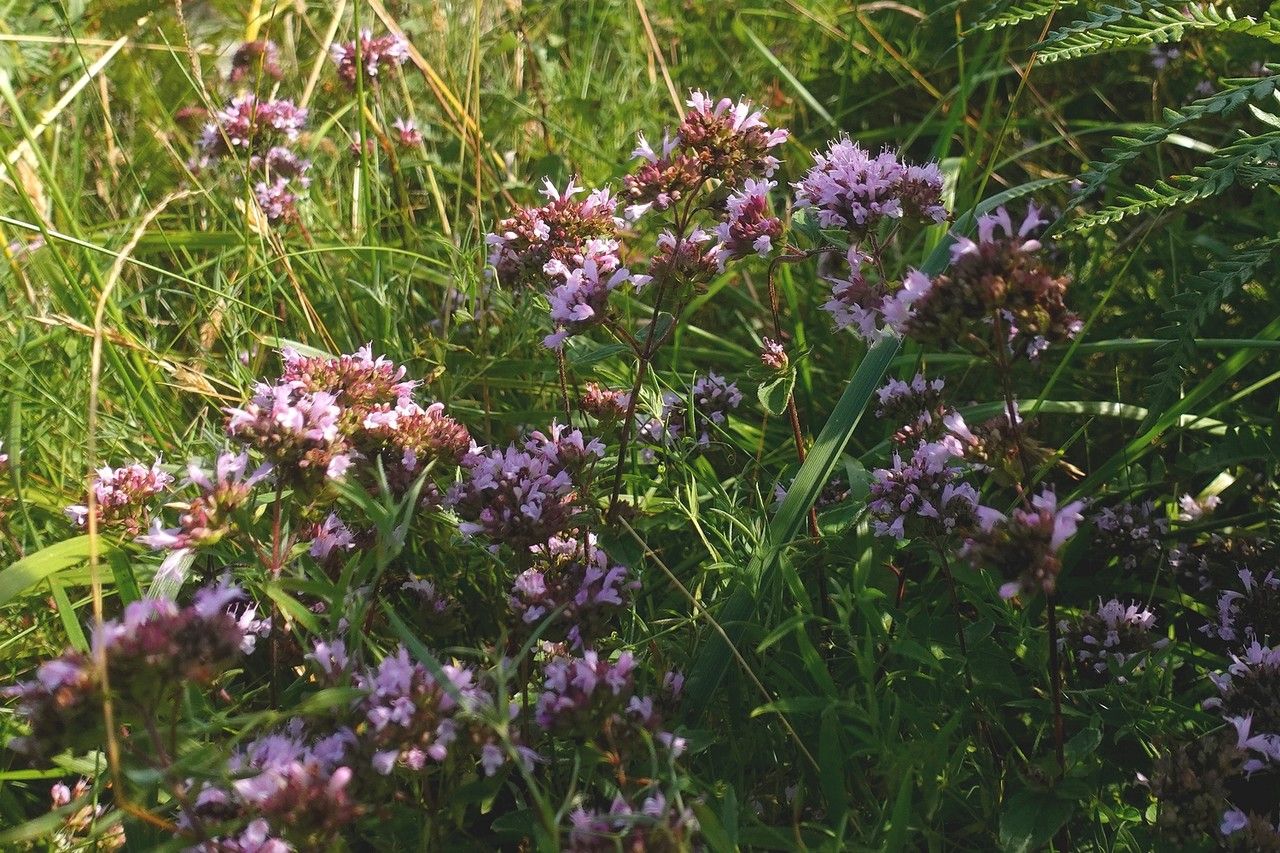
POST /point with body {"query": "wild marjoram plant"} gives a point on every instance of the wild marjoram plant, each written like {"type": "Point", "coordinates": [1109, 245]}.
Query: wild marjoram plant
{"type": "Point", "coordinates": [371, 623]}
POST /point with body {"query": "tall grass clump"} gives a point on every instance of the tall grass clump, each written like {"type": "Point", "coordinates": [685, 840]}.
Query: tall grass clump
{"type": "Point", "coordinates": [639, 425]}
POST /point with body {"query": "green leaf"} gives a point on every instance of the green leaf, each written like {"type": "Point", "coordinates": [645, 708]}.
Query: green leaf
{"type": "Point", "coordinates": [1030, 819]}
{"type": "Point", "coordinates": [831, 763]}
{"type": "Point", "coordinates": [67, 613]}
{"type": "Point", "coordinates": [294, 608]}
{"type": "Point", "coordinates": [775, 393]}
{"type": "Point", "coordinates": [122, 571]}
{"type": "Point", "coordinates": [898, 823]}
{"type": "Point", "coordinates": [20, 577]}
{"type": "Point", "coordinates": [1082, 744]}
{"type": "Point", "coordinates": [712, 830]}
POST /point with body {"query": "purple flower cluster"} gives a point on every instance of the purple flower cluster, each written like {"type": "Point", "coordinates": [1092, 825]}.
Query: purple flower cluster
{"type": "Point", "coordinates": [656, 825]}
{"type": "Point", "coordinates": [579, 692]}
{"type": "Point", "coordinates": [253, 127]}
{"type": "Point", "coordinates": [290, 792]}
{"type": "Point", "coordinates": [1133, 532]}
{"type": "Point", "coordinates": [122, 496]}
{"type": "Point", "coordinates": [1025, 543]}
{"type": "Point", "coordinates": [871, 307]}
{"type": "Point", "coordinates": [256, 59]}
{"type": "Point", "coordinates": [922, 496]}
{"type": "Point", "coordinates": [925, 416]}
{"type": "Point", "coordinates": [722, 140]}
{"type": "Point", "coordinates": [331, 538]}
{"type": "Point", "coordinates": [580, 300]}
{"type": "Point", "coordinates": [155, 647]}
{"type": "Point", "coordinates": [1192, 509]}
{"type": "Point", "coordinates": [1115, 638]}
{"type": "Point", "coordinates": [524, 495]}
{"type": "Point", "coordinates": [1000, 284]}
{"type": "Point", "coordinates": [849, 188]}
{"type": "Point", "coordinates": [713, 397]}
{"type": "Point", "coordinates": [1251, 615]}
{"type": "Point", "coordinates": [324, 414]}
{"type": "Point", "coordinates": [578, 580]}
{"type": "Point", "coordinates": [263, 133]}
{"type": "Point", "coordinates": [571, 249]}
{"type": "Point", "coordinates": [373, 54]}
{"type": "Point", "coordinates": [410, 720]}
{"type": "Point", "coordinates": [1249, 700]}
{"type": "Point", "coordinates": [588, 694]}
{"type": "Point", "coordinates": [747, 229]}
{"type": "Point", "coordinates": [431, 599]}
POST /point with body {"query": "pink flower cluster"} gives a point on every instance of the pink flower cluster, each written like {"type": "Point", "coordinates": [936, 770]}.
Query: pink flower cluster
{"type": "Point", "coordinates": [536, 245]}
{"type": "Point", "coordinates": [999, 283]}
{"type": "Point", "coordinates": [722, 140]}
{"type": "Point", "coordinates": [262, 132]}
{"type": "Point", "coordinates": [1025, 543]}
{"type": "Point", "coordinates": [849, 188]}
{"type": "Point", "coordinates": [373, 54]}
{"type": "Point", "coordinates": [577, 583]}
{"type": "Point", "coordinates": [524, 495]}
{"type": "Point", "coordinates": [155, 647]}
{"type": "Point", "coordinates": [207, 518]}
{"type": "Point", "coordinates": [325, 414]}
{"type": "Point", "coordinates": [604, 404]}
{"type": "Point", "coordinates": [123, 495]}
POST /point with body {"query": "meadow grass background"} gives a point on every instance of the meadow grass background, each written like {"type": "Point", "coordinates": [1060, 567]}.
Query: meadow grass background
{"type": "Point", "coordinates": [98, 206]}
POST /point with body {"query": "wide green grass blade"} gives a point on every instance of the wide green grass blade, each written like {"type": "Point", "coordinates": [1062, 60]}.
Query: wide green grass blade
{"type": "Point", "coordinates": [23, 575]}
{"type": "Point", "coordinates": [712, 663]}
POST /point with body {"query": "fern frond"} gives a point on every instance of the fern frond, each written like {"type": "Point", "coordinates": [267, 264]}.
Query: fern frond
{"type": "Point", "coordinates": [1251, 161]}
{"type": "Point", "coordinates": [1202, 297]}
{"type": "Point", "coordinates": [1137, 24]}
{"type": "Point", "coordinates": [1003, 14]}
{"type": "Point", "coordinates": [1238, 92]}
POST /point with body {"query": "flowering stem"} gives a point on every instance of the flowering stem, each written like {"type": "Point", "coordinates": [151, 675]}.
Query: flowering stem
{"type": "Point", "coordinates": [642, 367]}
{"type": "Point", "coordinates": [793, 414]}
{"type": "Point", "coordinates": [1011, 410]}
{"type": "Point", "coordinates": [955, 605]}
{"type": "Point", "coordinates": [1055, 680]}
{"type": "Point", "coordinates": [624, 436]}
{"type": "Point", "coordinates": [564, 387]}
{"type": "Point", "coordinates": [1015, 429]}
